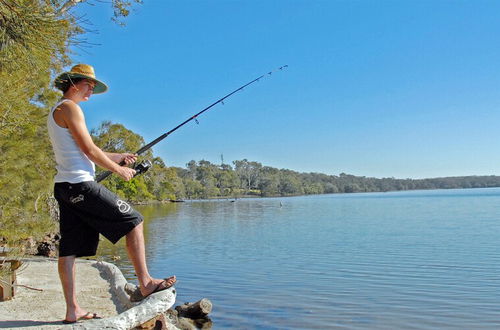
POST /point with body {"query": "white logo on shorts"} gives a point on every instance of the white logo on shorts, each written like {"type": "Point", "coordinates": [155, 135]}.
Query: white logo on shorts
{"type": "Point", "coordinates": [76, 199]}
{"type": "Point", "coordinates": [123, 206]}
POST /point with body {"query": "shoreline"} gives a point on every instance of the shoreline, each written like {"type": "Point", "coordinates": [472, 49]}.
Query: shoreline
{"type": "Point", "coordinates": [233, 199]}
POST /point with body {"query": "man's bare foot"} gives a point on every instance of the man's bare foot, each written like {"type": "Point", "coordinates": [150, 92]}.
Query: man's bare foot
{"type": "Point", "coordinates": [156, 285]}
{"type": "Point", "coordinates": [79, 315]}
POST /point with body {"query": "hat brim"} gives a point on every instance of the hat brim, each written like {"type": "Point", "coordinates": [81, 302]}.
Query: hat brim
{"type": "Point", "coordinates": [63, 78]}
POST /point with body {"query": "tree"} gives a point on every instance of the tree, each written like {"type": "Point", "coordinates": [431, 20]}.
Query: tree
{"type": "Point", "coordinates": [249, 173]}
{"type": "Point", "coordinates": [32, 45]}
{"type": "Point", "coordinates": [193, 188]}
{"type": "Point", "coordinates": [112, 137]}
{"type": "Point", "coordinates": [226, 180]}
{"type": "Point", "coordinates": [205, 174]}
{"type": "Point", "coordinates": [116, 138]}
{"type": "Point", "coordinates": [35, 41]}
{"type": "Point", "coordinates": [163, 181]}
{"type": "Point", "coordinates": [290, 183]}
{"type": "Point", "coordinates": [269, 181]}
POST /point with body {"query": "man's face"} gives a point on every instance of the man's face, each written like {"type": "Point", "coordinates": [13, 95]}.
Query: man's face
{"type": "Point", "coordinates": [85, 88]}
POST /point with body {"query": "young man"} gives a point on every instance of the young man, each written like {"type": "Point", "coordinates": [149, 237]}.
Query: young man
{"type": "Point", "coordinates": [87, 208]}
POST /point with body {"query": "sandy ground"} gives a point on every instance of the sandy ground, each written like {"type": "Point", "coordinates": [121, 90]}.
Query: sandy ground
{"type": "Point", "coordinates": [31, 309]}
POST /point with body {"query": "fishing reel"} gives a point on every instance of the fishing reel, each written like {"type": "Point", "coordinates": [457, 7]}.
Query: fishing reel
{"type": "Point", "coordinates": [142, 167]}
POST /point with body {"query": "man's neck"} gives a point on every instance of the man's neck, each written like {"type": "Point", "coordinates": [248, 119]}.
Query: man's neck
{"type": "Point", "coordinates": [72, 97]}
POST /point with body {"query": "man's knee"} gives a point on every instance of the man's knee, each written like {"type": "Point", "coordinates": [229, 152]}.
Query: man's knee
{"type": "Point", "coordinates": [137, 230]}
{"type": "Point", "coordinates": [67, 258]}
{"type": "Point", "coordinates": [65, 264]}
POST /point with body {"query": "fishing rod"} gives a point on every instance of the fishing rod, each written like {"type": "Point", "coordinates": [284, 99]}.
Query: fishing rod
{"type": "Point", "coordinates": [144, 166]}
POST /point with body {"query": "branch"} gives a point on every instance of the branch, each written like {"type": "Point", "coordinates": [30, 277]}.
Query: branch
{"type": "Point", "coordinates": [27, 287]}
{"type": "Point", "coordinates": [67, 6]}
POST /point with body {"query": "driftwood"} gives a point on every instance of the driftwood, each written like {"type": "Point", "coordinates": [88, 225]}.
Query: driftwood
{"type": "Point", "coordinates": [145, 311]}
{"type": "Point", "coordinates": [152, 312]}
{"type": "Point", "coordinates": [189, 316]}
{"type": "Point", "coordinates": [130, 315]}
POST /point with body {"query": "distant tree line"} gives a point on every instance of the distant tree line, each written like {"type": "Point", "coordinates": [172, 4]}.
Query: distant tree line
{"type": "Point", "coordinates": [203, 179]}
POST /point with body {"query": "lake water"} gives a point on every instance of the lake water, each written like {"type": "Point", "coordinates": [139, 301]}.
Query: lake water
{"type": "Point", "coordinates": [396, 260]}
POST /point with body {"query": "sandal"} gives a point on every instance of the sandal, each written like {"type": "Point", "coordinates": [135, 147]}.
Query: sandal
{"type": "Point", "coordinates": [88, 316]}
{"type": "Point", "coordinates": [137, 295]}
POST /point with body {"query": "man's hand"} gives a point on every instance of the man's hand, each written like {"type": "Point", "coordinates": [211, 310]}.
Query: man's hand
{"type": "Point", "coordinates": [128, 158]}
{"type": "Point", "coordinates": [126, 173]}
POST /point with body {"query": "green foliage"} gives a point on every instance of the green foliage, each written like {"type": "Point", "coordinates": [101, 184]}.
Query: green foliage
{"type": "Point", "coordinates": [33, 44]}
{"type": "Point", "coordinates": [116, 138]}
{"type": "Point", "coordinates": [121, 8]}
{"type": "Point", "coordinates": [35, 41]}
{"type": "Point", "coordinates": [163, 182]}
{"type": "Point", "coordinates": [251, 178]}
{"type": "Point", "coordinates": [248, 172]}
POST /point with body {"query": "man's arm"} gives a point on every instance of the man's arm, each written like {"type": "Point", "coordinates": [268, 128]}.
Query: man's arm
{"type": "Point", "coordinates": [75, 121]}
{"type": "Point", "coordinates": [118, 158]}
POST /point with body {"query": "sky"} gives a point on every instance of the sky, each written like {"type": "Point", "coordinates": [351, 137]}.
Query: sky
{"type": "Point", "coordinates": [404, 89]}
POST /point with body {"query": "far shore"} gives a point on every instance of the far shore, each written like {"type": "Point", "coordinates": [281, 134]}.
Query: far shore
{"type": "Point", "coordinates": [232, 199]}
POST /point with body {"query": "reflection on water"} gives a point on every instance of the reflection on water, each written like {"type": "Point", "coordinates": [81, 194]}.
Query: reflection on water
{"type": "Point", "coordinates": [405, 260]}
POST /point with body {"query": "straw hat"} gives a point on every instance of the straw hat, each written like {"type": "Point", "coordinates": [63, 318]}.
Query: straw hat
{"type": "Point", "coordinates": [80, 71]}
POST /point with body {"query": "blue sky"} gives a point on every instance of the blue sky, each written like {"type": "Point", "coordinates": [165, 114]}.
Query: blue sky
{"type": "Point", "coordinates": [405, 89]}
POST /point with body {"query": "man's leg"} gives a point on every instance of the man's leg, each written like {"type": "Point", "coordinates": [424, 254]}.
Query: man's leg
{"type": "Point", "coordinates": [66, 267]}
{"type": "Point", "coordinates": [137, 254]}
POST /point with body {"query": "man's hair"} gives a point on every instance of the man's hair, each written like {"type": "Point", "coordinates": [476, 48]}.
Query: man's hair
{"type": "Point", "coordinates": [68, 83]}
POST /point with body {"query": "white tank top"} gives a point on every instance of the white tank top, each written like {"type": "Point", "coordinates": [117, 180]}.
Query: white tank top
{"type": "Point", "coordinates": [73, 165]}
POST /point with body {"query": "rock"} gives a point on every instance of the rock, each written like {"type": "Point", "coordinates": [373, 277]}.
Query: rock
{"type": "Point", "coordinates": [156, 323]}
{"type": "Point", "coordinates": [197, 310]}
{"type": "Point", "coordinates": [48, 246]}
{"type": "Point", "coordinates": [204, 324]}
{"type": "Point", "coordinates": [171, 316]}
{"type": "Point", "coordinates": [47, 249]}
{"type": "Point", "coordinates": [30, 246]}
{"type": "Point", "coordinates": [186, 324]}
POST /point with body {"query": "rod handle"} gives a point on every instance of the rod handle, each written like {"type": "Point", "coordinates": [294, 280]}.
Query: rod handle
{"type": "Point", "coordinates": [104, 175]}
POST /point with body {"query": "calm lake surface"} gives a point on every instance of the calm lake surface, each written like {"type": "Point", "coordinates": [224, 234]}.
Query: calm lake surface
{"type": "Point", "coordinates": [397, 260]}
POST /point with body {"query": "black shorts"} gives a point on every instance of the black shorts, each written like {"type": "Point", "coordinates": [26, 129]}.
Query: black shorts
{"type": "Point", "coordinates": [88, 209]}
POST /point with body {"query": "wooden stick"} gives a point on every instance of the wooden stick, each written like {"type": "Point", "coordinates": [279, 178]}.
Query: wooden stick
{"type": "Point", "coordinates": [28, 287]}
